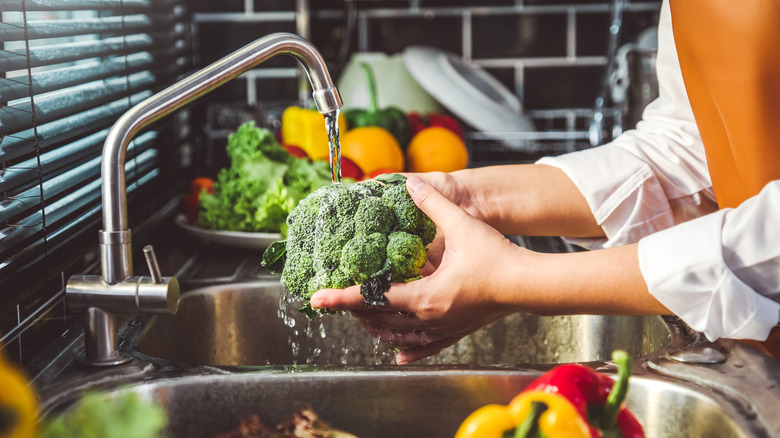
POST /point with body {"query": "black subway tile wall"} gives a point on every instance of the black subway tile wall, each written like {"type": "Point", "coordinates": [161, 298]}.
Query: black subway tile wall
{"type": "Point", "coordinates": [557, 87]}
{"type": "Point", "coordinates": [392, 35]}
{"type": "Point", "coordinates": [218, 39]}
{"type": "Point", "coordinates": [519, 36]}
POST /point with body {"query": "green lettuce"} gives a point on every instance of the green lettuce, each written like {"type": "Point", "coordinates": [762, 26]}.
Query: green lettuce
{"type": "Point", "coordinates": [261, 186]}
{"type": "Point", "coordinates": [97, 415]}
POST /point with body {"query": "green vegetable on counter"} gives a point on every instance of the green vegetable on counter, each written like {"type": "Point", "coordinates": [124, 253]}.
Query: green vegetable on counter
{"type": "Point", "coordinates": [391, 118]}
{"type": "Point", "coordinates": [262, 185]}
{"type": "Point", "coordinates": [100, 416]}
{"type": "Point", "coordinates": [369, 233]}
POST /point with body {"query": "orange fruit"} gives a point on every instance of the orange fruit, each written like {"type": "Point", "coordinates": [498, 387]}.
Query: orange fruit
{"type": "Point", "coordinates": [436, 149]}
{"type": "Point", "coordinates": [372, 147]}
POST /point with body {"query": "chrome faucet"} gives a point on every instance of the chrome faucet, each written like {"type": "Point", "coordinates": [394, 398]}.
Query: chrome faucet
{"type": "Point", "coordinates": [117, 290]}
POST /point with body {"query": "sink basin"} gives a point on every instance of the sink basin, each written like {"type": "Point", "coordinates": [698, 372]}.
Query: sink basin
{"type": "Point", "coordinates": [412, 403]}
{"type": "Point", "coordinates": [230, 352]}
{"type": "Point", "coordinates": [257, 324]}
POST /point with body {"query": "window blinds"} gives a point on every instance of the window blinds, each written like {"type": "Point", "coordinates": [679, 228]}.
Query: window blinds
{"type": "Point", "coordinates": [68, 70]}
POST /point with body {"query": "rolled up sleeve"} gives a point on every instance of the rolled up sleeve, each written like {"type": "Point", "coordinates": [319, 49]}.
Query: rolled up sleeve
{"type": "Point", "coordinates": [724, 276]}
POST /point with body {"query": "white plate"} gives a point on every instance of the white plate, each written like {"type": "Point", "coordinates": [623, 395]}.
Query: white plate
{"type": "Point", "coordinates": [236, 239]}
{"type": "Point", "coordinates": [467, 90]}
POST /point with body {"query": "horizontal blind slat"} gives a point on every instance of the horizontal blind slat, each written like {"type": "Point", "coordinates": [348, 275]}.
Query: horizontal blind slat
{"type": "Point", "coordinates": [36, 248]}
{"type": "Point", "coordinates": [158, 59]}
{"type": "Point", "coordinates": [57, 211]}
{"type": "Point", "coordinates": [20, 144]}
{"type": "Point", "coordinates": [76, 51]}
{"type": "Point", "coordinates": [43, 82]}
{"type": "Point", "coordinates": [26, 172]}
{"type": "Point", "coordinates": [31, 197]}
{"type": "Point", "coordinates": [53, 187]}
{"type": "Point", "coordinates": [11, 31]}
{"type": "Point", "coordinates": [62, 103]}
{"type": "Point", "coordinates": [81, 5]}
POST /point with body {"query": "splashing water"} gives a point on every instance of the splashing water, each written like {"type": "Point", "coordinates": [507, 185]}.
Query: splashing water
{"type": "Point", "coordinates": [334, 145]}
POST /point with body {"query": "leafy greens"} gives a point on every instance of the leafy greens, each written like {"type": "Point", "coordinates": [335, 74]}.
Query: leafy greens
{"type": "Point", "coordinates": [262, 185]}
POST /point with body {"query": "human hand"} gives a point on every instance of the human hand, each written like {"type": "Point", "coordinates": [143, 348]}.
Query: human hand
{"type": "Point", "coordinates": [469, 287]}
{"type": "Point", "coordinates": [458, 191]}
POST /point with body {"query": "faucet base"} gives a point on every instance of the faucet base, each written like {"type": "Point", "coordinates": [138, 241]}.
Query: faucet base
{"type": "Point", "coordinates": [122, 358]}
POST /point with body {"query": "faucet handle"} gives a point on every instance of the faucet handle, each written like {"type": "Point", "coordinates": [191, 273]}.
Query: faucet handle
{"type": "Point", "coordinates": [154, 267]}
{"type": "Point", "coordinates": [156, 294]}
{"type": "Point", "coordinates": [153, 294]}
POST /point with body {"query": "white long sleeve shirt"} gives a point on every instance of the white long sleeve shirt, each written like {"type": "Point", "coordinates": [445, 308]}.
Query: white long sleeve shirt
{"type": "Point", "coordinates": [718, 270]}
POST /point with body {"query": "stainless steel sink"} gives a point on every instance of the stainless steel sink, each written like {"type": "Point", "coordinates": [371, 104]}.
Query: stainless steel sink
{"type": "Point", "coordinates": [242, 324]}
{"type": "Point", "coordinates": [414, 403]}
{"type": "Point", "coordinates": [230, 353]}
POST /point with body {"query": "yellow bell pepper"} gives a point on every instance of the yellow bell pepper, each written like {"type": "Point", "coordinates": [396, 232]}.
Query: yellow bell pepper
{"type": "Point", "coordinates": [18, 403]}
{"type": "Point", "coordinates": [559, 418]}
{"type": "Point", "coordinates": [305, 128]}
{"type": "Point", "coordinates": [489, 421]}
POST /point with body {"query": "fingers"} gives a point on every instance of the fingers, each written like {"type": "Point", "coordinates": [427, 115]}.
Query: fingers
{"type": "Point", "coordinates": [394, 337]}
{"type": "Point", "coordinates": [410, 355]}
{"type": "Point", "coordinates": [435, 254]}
{"type": "Point", "coordinates": [440, 209]}
{"type": "Point", "coordinates": [400, 297]}
{"type": "Point", "coordinates": [338, 299]}
{"type": "Point", "coordinates": [390, 320]}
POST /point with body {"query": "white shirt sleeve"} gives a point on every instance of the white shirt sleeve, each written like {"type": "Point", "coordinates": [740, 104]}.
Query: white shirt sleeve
{"type": "Point", "coordinates": [651, 177]}
{"type": "Point", "coordinates": [719, 273]}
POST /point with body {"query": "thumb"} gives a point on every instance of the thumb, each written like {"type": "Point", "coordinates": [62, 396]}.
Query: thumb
{"type": "Point", "coordinates": [442, 211]}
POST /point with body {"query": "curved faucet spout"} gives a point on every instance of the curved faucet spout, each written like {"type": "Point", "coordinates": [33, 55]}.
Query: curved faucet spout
{"type": "Point", "coordinates": [115, 236]}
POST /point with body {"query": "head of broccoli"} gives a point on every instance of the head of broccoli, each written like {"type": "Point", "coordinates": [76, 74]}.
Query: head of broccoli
{"type": "Point", "coordinates": [369, 233]}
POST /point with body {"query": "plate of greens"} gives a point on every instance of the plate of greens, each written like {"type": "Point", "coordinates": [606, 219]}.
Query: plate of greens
{"type": "Point", "coordinates": [252, 197]}
{"type": "Point", "coordinates": [236, 239]}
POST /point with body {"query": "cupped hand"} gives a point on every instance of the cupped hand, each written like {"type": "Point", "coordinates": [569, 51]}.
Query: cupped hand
{"type": "Point", "coordinates": [471, 285]}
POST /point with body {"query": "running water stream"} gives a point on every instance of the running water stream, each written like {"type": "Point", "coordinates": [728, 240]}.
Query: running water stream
{"type": "Point", "coordinates": [334, 145]}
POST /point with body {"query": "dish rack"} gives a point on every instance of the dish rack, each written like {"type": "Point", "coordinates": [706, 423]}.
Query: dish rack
{"type": "Point", "coordinates": [557, 131]}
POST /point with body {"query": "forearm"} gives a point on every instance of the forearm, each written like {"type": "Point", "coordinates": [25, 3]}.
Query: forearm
{"type": "Point", "coordinates": [606, 281]}
{"type": "Point", "coordinates": [527, 199]}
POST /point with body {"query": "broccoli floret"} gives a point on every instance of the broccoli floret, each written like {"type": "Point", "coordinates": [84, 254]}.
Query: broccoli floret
{"type": "Point", "coordinates": [410, 218]}
{"type": "Point", "coordinates": [298, 271]}
{"type": "Point", "coordinates": [373, 215]}
{"type": "Point", "coordinates": [368, 233]}
{"type": "Point", "coordinates": [406, 256]}
{"type": "Point", "coordinates": [363, 256]}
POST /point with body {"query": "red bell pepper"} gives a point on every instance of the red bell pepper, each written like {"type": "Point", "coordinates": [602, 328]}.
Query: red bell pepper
{"type": "Point", "coordinates": [595, 396]}
{"type": "Point", "coordinates": [417, 122]}
{"type": "Point", "coordinates": [192, 202]}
